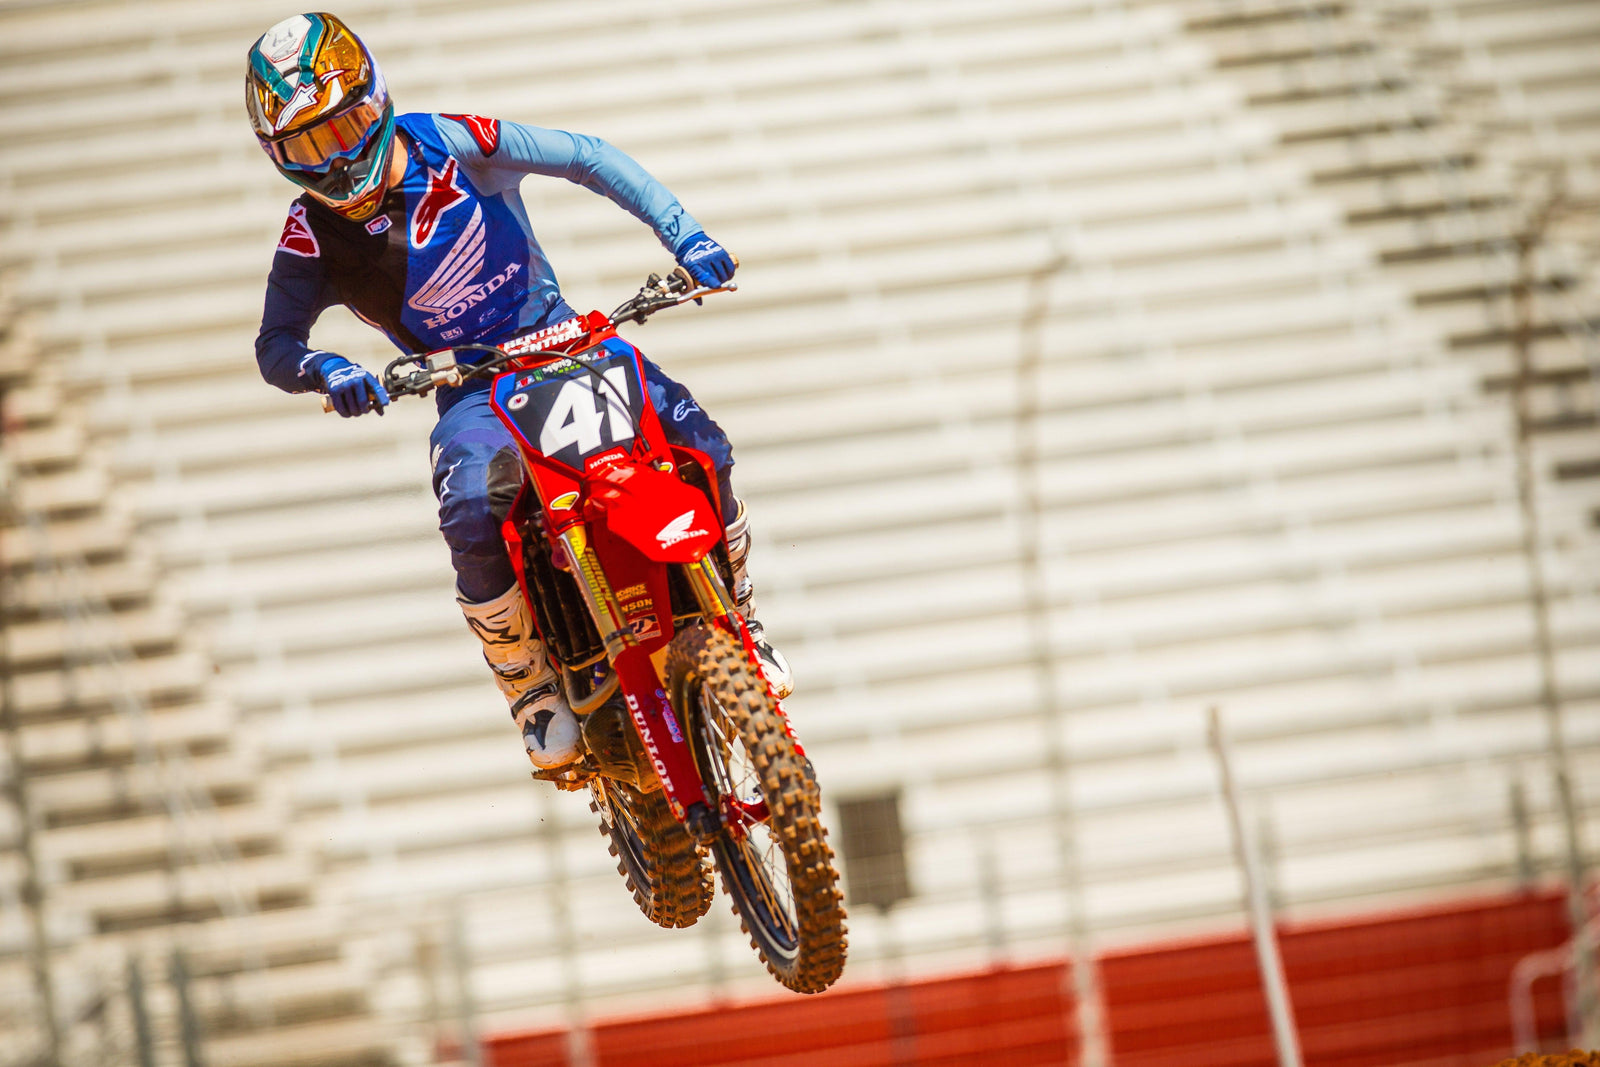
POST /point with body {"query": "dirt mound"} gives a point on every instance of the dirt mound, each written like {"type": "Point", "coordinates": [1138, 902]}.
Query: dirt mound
{"type": "Point", "coordinates": [1576, 1058]}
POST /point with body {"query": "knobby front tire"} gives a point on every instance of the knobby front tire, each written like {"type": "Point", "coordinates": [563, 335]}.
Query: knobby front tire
{"type": "Point", "coordinates": [779, 871]}
{"type": "Point", "coordinates": [664, 870]}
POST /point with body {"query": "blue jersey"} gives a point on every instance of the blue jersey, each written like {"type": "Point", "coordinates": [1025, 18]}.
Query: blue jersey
{"type": "Point", "coordinates": [450, 257]}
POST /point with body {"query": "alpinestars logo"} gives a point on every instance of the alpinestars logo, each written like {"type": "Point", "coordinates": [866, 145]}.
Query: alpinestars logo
{"type": "Point", "coordinates": [442, 195]}
{"type": "Point", "coordinates": [678, 530]}
{"type": "Point", "coordinates": [453, 288]}
{"type": "Point", "coordinates": [484, 131]}
{"type": "Point", "coordinates": [305, 95]}
{"type": "Point", "coordinates": [297, 239]}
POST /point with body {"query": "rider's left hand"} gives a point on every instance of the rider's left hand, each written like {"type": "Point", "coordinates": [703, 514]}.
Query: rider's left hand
{"type": "Point", "coordinates": [706, 261]}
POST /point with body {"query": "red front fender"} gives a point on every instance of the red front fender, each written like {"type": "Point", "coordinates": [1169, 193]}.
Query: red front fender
{"type": "Point", "coordinates": [656, 512]}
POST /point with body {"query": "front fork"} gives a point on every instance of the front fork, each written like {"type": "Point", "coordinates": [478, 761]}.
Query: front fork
{"type": "Point", "coordinates": [659, 728]}
{"type": "Point", "coordinates": [709, 591]}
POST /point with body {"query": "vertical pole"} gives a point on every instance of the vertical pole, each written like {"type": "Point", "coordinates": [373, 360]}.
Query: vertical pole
{"type": "Point", "coordinates": [1093, 1048]}
{"type": "Point", "coordinates": [32, 887]}
{"type": "Point", "coordinates": [461, 967]}
{"type": "Point", "coordinates": [579, 1052]}
{"type": "Point", "coordinates": [430, 959]}
{"type": "Point", "coordinates": [1584, 999]}
{"type": "Point", "coordinates": [994, 918]}
{"type": "Point", "coordinates": [144, 1043]}
{"type": "Point", "coordinates": [188, 1025]}
{"type": "Point", "coordinates": [902, 1016]}
{"type": "Point", "coordinates": [711, 931]}
{"type": "Point", "coordinates": [1279, 1007]}
{"type": "Point", "coordinates": [1522, 833]}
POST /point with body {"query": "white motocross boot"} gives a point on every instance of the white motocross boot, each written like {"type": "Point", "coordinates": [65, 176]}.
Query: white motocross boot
{"type": "Point", "coordinates": [773, 664]}
{"type": "Point", "coordinates": [514, 653]}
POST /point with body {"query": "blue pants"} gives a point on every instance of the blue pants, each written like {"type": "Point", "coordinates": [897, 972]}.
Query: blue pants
{"type": "Point", "coordinates": [469, 440]}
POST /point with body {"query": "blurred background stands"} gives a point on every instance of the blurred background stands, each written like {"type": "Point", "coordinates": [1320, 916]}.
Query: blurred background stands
{"type": "Point", "coordinates": [1267, 250]}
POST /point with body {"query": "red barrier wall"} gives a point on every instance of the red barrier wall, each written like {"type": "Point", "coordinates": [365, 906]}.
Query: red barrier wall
{"type": "Point", "coordinates": [1421, 988]}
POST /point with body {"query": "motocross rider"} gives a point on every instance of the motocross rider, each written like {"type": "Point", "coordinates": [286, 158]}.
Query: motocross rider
{"type": "Point", "coordinates": [414, 222]}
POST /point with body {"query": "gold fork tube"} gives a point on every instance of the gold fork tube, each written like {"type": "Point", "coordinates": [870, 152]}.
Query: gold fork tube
{"type": "Point", "coordinates": [713, 596]}
{"type": "Point", "coordinates": [615, 632]}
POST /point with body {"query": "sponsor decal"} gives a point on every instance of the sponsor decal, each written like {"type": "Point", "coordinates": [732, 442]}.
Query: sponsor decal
{"type": "Point", "coordinates": [442, 194]}
{"type": "Point", "coordinates": [564, 502]}
{"type": "Point", "coordinates": [485, 131]}
{"type": "Point", "coordinates": [604, 459]}
{"type": "Point", "coordinates": [683, 408]}
{"type": "Point", "coordinates": [518, 402]}
{"type": "Point", "coordinates": [560, 333]}
{"type": "Point", "coordinates": [558, 369]}
{"type": "Point", "coordinates": [648, 736]}
{"type": "Point", "coordinates": [297, 238]}
{"type": "Point", "coordinates": [452, 333]}
{"type": "Point", "coordinates": [378, 225]}
{"type": "Point", "coordinates": [666, 713]}
{"type": "Point", "coordinates": [475, 296]}
{"type": "Point", "coordinates": [678, 530]}
{"type": "Point", "coordinates": [647, 626]}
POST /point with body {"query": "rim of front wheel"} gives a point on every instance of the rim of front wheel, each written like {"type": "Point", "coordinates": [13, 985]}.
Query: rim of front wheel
{"type": "Point", "coordinates": [747, 849]}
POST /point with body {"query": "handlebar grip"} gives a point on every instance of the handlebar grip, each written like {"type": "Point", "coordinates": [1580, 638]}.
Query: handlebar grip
{"type": "Point", "coordinates": [327, 404]}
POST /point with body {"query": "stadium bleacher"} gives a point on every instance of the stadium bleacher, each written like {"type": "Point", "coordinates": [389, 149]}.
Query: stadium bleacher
{"type": "Point", "coordinates": [1269, 433]}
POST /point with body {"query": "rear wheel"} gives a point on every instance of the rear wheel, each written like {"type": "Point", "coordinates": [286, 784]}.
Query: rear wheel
{"type": "Point", "coordinates": [665, 871]}
{"type": "Point", "coordinates": [772, 849]}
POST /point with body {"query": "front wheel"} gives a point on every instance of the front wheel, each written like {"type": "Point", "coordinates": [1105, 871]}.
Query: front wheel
{"type": "Point", "coordinates": [772, 850]}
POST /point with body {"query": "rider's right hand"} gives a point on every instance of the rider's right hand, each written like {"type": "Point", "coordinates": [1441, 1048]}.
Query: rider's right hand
{"type": "Point", "coordinates": [353, 389]}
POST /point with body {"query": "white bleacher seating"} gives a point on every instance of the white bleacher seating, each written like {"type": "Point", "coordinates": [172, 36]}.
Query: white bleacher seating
{"type": "Point", "coordinates": [1273, 463]}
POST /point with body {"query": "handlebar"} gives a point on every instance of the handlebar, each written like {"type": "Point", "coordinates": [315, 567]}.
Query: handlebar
{"type": "Point", "coordinates": [430, 370]}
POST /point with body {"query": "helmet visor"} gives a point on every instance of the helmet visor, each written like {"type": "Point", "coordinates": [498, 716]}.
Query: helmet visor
{"type": "Point", "coordinates": [341, 136]}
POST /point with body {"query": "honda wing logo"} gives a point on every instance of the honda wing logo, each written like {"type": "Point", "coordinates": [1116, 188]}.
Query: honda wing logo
{"type": "Point", "coordinates": [453, 288]}
{"type": "Point", "coordinates": [457, 273]}
{"type": "Point", "coordinates": [678, 530]}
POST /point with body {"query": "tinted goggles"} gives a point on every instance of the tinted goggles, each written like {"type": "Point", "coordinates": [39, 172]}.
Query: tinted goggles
{"type": "Point", "coordinates": [337, 137]}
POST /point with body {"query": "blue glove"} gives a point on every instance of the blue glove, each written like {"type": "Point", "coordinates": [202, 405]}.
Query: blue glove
{"type": "Point", "coordinates": [353, 389]}
{"type": "Point", "coordinates": [706, 261]}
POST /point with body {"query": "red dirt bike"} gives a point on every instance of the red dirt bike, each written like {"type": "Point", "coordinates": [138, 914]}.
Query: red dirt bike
{"type": "Point", "coordinates": [618, 544]}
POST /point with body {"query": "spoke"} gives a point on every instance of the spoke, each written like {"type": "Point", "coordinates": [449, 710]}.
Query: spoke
{"type": "Point", "coordinates": [764, 884]}
{"type": "Point", "coordinates": [767, 867]}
